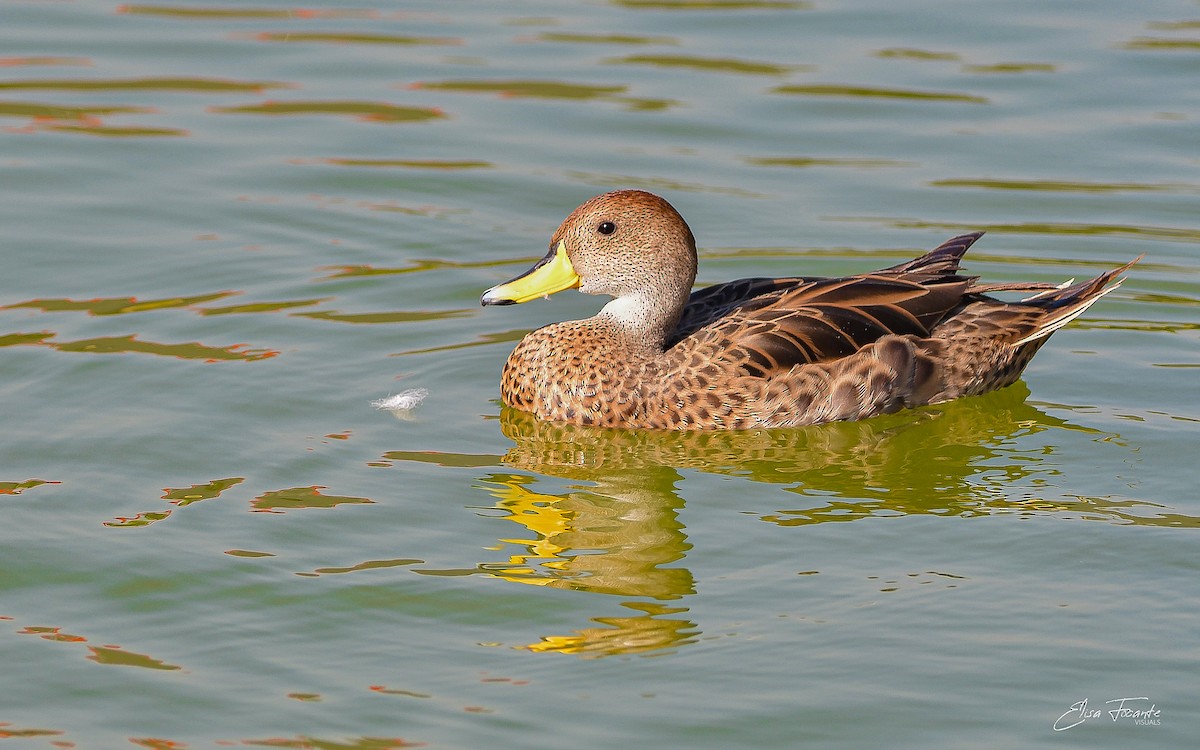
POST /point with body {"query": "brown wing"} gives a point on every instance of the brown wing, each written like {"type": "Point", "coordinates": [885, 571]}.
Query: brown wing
{"type": "Point", "coordinates": [712, 303]}
{"type": "Point", "coordinates": [829, 319]}
{"type": "Point", "coordinates": [774, 324]}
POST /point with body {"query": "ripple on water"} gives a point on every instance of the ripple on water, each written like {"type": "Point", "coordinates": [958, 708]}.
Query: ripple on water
{"type": "Point", "coordinates": [181, 84]}
{"type": "Point", "coordinates": [803, 162]}
{"type": "Point", "coordinates": [1067, 186]}
{"type": "Point", "coordinates": [1159, 44]}
{"type": "Point", "coordinates": [44, 61]}
{"type": "Point", "coordinates": [1011, 67]}
{"type": "Point", "coordinates": [16, 488]}
{"type": "Point", "coordinates": [353, 38]}
{"type": "Point", "coordinates": [1170, 234]}
{"type": "Point", "coordinates": [439, 164]}
{"type": "Point", "coordinates": [109, 654]}
{"type": "Point", "coordinates": [730, 5]}
{"type": "Point", "coordinates": [218, 13]}
{"type": "Point", "coordinates": [131, 344]}
{"type": "Point", "coordinates": [626, 39]}
{"type": "Point", "coordinates": [362, 110]}
{"type": "Point", "coordinates": [212, 554]}
{"type": "Point", "coordinates": [113, 305]}
{"type": "Point", "coordinates": [876, 92]}
{"type": "Point", "coordinates": [184, 496]}
{"type": "Point", "coordinates": [302, 498]}
{"type": "Point", "coordinates": [910, 53]}
{"type": "Point", "coordinates": [62, 112]}
{"type": "Point", "coordinates": [385, 317]}
{"type": "Point", "coordinates": [543, 89]}
{"type": "Point", "coordinates": [708, 64]}
{"type": "Point", "coordinates": [367, 565]}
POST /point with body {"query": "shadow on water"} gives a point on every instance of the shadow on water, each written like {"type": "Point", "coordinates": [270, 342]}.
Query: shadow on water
{"type": "Point", "coordinates": [616, 529]}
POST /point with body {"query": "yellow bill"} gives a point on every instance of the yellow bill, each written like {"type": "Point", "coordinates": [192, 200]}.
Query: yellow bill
{"type": "Point", "coordinates": [553, 273]}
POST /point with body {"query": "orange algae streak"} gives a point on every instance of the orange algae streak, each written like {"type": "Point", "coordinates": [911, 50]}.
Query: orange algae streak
{"type": "Point", "coordinates": [10, 62]}
{"type": "Point", "coordinates": [576, 38]}
{"type": "Point", "coordinates": [16, 488]}
{"type": "Point", "coordinates": [523, 88]}
{"type": "Point", "coordinates": [109, 131]}
{"type": "Point", "coordinates": [195, 85]}
{"type": "Point", "coordinates": [289, 36]}
{"type": "Point", "coordinates": [538, 89]}
{"type": "Point", "coordinates": [446, 164]}
{"type": "Point", "coordinates": [8, 732]}
{"type": "Point", "coordinates": [357, 743]}
{"type": "Point", "coordinates": [426, 210]}
{"type": "Point", "coordinates": [141, 519]}
{"type": "Point", "coordinates": [298, 498]}
{"type": "Point", "coordinates": [442, 458]}
{"type": "Point", "coordinates": [18, 339]}
{"type": "Point", "coordinates": [719, 65]}
{"type": "Point", "coordinates": [157, 743]}
{"type": "Point", "coordinates": [384, 690]}
{"type": "Point", "coordinates": [250, 13]}
{"type": "Point", "coordinates": [371, 111]}
{"type": "Point", "coordinates": [370, 565]}
{"type": "Point", "coordinates": [870, 92]}
{"type": "Point", "coordinates": [260, 307]}
{"type": "Point", "coordinates": [52, 634]}
{"type": "Point", "coordinates": [192, 350]}
{"type": "Point", "coordinates": [416, 265]}
{"type": "Point", "coordinates": [182, 496]}
{"type": "Point", "coordinates": [115, 305]}
{"type": "Point", "coordinates": [714, 4]}
{"type": "Point", "coordinates": [116, 656]}
{"type": "Point", "coordinates": [384, 317]}
{"type": "Point", "coordinates": [57, 112]}
{"type": "Point", "coordinates": [179, 497]}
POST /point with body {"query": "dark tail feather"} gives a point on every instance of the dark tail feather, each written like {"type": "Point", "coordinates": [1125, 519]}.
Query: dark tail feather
{"type": "Point", "coordinates": [1064, 304]}
{"type": "Point", "coordinates": [941, 261]}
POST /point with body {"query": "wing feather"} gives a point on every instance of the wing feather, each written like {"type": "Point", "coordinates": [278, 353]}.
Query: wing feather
{"type": "Point", "coordinates": [767, 325]}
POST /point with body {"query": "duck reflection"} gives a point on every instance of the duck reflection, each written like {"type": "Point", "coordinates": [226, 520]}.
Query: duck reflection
{"type": "Point", "coordinates": [615, 537]}
{"type": "Point", "coordinates": [616, 528]}
{"type": "Point", "coordinates": [960, 458]}
{"type": "Point", "coordinates": [617, 532]}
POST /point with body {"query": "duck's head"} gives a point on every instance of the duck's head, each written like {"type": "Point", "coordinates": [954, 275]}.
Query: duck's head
{"type": "Point", "coordinates": [629, 244]}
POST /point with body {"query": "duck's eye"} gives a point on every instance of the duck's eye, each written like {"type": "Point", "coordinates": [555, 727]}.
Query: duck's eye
{"type": "Point", "coordinates": [606, 227]}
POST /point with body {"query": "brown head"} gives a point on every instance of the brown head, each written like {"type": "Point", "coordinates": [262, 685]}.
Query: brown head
{"type": "Point", "coordinates": [629, 244]}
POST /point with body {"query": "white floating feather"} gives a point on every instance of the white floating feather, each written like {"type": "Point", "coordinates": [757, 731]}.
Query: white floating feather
{"type": "Point", "coordinates": [403, 401]}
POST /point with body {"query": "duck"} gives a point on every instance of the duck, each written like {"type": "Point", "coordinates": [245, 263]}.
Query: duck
{"type": "Point", "coordinates": [761, 353]}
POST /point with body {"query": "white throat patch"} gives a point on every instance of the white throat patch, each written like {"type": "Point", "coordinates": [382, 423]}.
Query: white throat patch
{"type": "Point", "coordinates": [630, 311]}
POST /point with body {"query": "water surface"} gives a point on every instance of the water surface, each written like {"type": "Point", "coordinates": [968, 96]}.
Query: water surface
{"type": "Point", "coordinates": [230, 227]}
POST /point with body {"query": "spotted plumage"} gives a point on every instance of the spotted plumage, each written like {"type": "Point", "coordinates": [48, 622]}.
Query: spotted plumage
{"type": "Point", "coordinates": [761, 352]}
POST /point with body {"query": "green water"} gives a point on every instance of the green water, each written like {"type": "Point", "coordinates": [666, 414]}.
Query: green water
{"type": "Point", "coordinates": [229, 227]}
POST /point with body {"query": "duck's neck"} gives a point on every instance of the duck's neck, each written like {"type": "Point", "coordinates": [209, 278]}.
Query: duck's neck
{"type": "Point", "coordinates": [644, 321]}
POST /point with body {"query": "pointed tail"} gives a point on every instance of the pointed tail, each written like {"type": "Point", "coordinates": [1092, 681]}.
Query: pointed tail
{"type": "Point", "coordinates": [1067, 302]}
